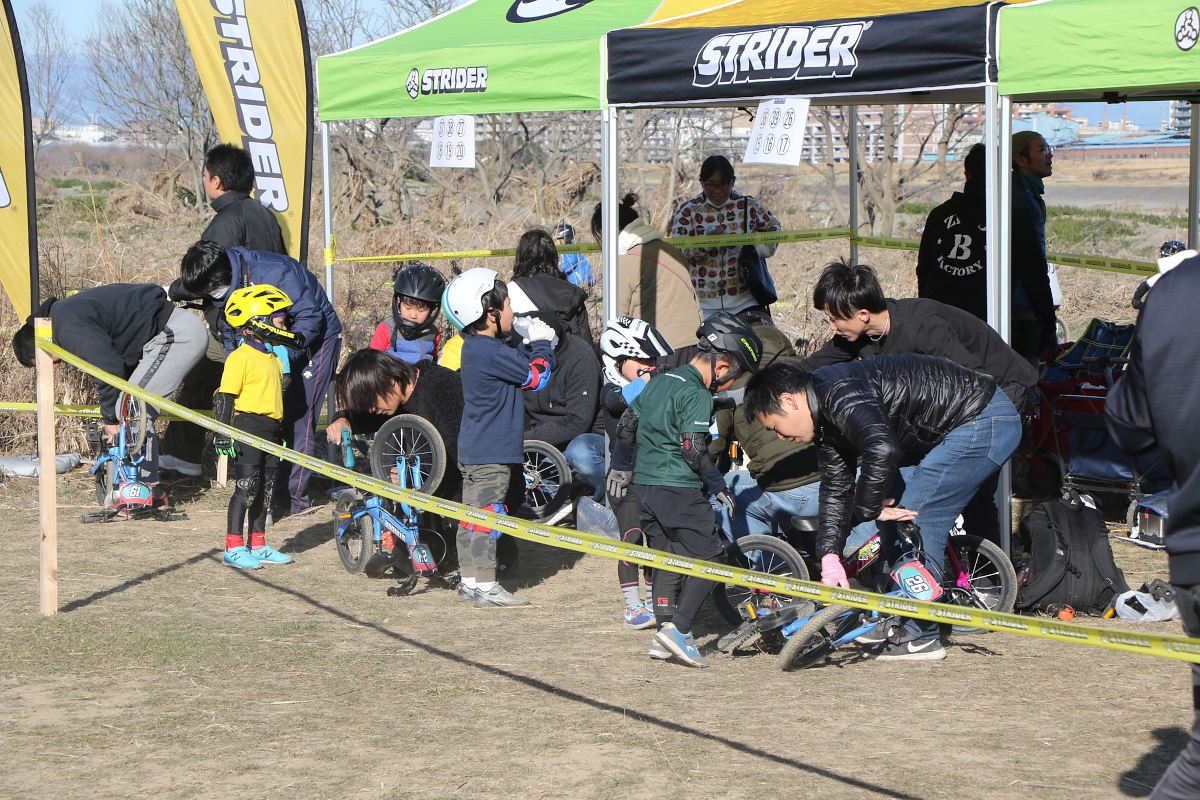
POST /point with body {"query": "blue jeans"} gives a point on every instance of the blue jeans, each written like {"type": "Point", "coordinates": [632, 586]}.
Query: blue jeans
{"type": "Point", "coordinates": [760, 512]}
{"type": "Point", "coordinates": [940, 484]}
{"type": "Point", "coordinates": [585, 455]}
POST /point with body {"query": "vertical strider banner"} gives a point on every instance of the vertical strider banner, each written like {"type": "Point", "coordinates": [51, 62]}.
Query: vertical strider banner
{"type": "Point", "coordinates": [18, 215]}
{"type": "Point", "coordinates": [252, 57]}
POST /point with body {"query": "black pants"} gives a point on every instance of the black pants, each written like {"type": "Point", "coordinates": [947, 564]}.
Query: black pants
{"type": "Point", "coordinates": [682, 522]}
{"type": "Point", "coordinates": [253, 470]}
{"type": "Point", "coordinates": [1181, 781]}
{"type": "Point", "coordinates": [629, 523]}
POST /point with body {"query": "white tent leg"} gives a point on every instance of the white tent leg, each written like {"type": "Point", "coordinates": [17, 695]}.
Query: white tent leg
{"type": "Point", "coordinates": [852, 156]}
{"type": "Point", "coordinates": [997, 145]}
{"type": "Point", "coordinates": [1194, 181]}
{"type": "Point", "coordinates": [609, 200]}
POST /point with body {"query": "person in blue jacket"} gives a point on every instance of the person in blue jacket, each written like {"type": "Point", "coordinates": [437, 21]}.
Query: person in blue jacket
{"type": "Point", "coordinates": [212, 270]}
{"type": "Point", "coordinates": [574, 265]}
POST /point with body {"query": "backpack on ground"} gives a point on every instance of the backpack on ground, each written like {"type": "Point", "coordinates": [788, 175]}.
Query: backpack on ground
{"type": "Point", "coordinates": [1070, 558]}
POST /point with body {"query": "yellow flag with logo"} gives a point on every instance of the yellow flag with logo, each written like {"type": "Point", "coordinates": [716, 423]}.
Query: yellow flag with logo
{"type": "Point", "coordinates": [252, 57]}
{"type": "Point", "coordinates": [18, 216]}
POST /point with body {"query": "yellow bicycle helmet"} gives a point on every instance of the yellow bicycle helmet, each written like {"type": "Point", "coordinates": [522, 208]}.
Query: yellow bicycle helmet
{"type": "Point", "coordinates": [252, 308]}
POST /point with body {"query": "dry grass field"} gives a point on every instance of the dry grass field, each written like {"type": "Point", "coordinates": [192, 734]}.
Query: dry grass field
{"type": "Point", "coordinates": [167, 675]}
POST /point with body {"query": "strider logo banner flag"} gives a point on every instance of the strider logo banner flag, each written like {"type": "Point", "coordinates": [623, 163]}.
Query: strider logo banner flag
{"type": "Point", "coordinates": [252, 57]}
{"type": "Point", "coordinates": [18, 214]}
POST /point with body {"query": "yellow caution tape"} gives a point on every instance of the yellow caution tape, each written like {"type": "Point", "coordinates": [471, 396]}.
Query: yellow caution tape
{"type": "Point", "coordinates": [768, 237]}
{"type": "Point", "coordinates": [1143, 268]}
{"type": "Point", "coordinates": [1175, 647]}
{"type": "Point", "coordinates": [1120, 265]}
{"type": "Point", "coordinates": [882, 243]}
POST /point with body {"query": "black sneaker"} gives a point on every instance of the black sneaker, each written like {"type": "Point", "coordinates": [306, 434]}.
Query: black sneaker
{"type": "Point", "coordinates": [913, 650]}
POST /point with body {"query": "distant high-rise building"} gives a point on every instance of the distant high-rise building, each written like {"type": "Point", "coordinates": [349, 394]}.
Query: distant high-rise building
{"type": "Point", "coordinates": [1181, 116]}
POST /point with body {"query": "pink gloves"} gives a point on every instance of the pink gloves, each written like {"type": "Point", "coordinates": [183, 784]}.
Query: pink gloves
{"type": "Point", "coordinates": [832, 571]}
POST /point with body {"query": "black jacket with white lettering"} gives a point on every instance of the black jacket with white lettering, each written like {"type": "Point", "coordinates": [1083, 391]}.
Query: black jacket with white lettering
{"type": "Point", "coordinates": [952, 261]}
{"type": "Point", "coordinates": [880, 410]}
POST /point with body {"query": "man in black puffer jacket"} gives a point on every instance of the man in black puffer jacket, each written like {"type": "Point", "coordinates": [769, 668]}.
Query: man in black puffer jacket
{"type": "Point", "coordinates": [928, 433]}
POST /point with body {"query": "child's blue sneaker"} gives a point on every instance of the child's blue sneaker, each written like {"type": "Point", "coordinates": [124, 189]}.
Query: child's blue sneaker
{"type": "Point", "coordinates": [638, 618]}
{"type": "Point", "coordinates": [681, 645]}
{"type": "Point", "coordinates": [241, 558]}
{"type": "Point", "coordinates": [269, 555]}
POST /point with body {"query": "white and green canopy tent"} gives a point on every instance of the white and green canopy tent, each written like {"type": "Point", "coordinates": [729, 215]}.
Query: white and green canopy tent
{"type": "Point", "coordinates": [484, 57]}
{"type": "Point", "coordinates": [1104, 50]}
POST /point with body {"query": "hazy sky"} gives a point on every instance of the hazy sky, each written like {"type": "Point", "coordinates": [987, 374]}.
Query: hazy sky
{"type": "Point", "coordinates": [78, 15]}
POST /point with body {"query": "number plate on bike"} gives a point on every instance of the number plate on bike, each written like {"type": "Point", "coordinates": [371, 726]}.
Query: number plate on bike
{"type": "Point", "coordinates": [915, 580]}
{"type": "Point", "coordinates": [422, 559]}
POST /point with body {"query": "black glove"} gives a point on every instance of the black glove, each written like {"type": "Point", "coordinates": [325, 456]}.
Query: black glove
{"type": "Point", "coordinates": [224, 446]}
{"type": "Point", "coordinates": [725, 498]}
{"type": "Point", "coordinates": [730, 398]}
{"type": "Point", "coordinates": [617, 481]}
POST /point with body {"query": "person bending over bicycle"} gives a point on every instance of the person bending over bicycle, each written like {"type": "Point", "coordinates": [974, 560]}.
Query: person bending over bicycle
{"type": "Point", "coordinates": [669, 423]}
{"type": "Point", "coordinates": [132, 331]}
{"type": "Point", "coordinates": [780, 478]}
{"type": "Point", "coordinates": [927, 432]}
{"type": "Point", "coordinates": [251, 392]}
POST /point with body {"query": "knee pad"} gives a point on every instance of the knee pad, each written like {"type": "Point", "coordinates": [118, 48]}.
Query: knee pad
{"type": "Point", "coordinates": [249, 485]}
{"type": "Point", "coordinates": [474, 527]}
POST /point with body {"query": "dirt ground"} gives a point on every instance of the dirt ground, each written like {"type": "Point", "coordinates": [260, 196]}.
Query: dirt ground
{"type": "Point", "coordinates": [168, 675]}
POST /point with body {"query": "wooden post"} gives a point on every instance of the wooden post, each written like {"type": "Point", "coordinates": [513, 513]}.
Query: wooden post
{"type": "Point", "coordinates": [47, 475]}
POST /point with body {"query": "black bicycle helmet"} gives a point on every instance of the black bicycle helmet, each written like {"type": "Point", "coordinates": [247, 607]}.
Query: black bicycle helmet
{"type": "Point", "coordinates": [1170, 248]}
{"type": "Point", "coordinates": [418, 282]}
{"type": "Point", "coordinates": [729, 335]}
{"type": "Point", "coordinates": [565, 232]}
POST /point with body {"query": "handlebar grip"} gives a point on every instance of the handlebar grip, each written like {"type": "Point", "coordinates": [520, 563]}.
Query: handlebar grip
{"type": "Point", "coordinates": [347, 449]}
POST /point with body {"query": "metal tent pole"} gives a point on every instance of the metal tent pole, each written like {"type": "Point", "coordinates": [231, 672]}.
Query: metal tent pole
{"type": "Point", "coordinates": [609, 200]}
{"type": "Point", "coordinates": [852, 157]}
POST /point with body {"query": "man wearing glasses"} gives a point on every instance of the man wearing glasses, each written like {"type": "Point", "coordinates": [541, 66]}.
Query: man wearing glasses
{"type": "Point", "coordinates": [1032, 303]}
{"type": "Point", "coordinates": [717, 210]}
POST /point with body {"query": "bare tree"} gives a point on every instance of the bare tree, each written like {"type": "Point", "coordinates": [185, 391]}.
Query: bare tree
{"type": "Point", "coordinates": [903, 152]}
{"type": "Point", "coordinates": [146, 84]}
{"type": "Point", "coordinates": [406, 13]}
{"type": "Point", "coordinates": [48, 63]}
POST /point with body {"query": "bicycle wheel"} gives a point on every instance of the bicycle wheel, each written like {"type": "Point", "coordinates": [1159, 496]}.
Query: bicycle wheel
{"type": "Point", "coordinates": [413, 441]}
{"type": "Point", "coordinates": [547, 480]}
{"type": "Point", "coordinates": [131, 412]}
{"type": "Point", "coordinates": [104, 482]}
{"type": "Point", "coordinates": [987, 579]}
{"type": "Point", "coordinates": [815, 639]}
{"type": "Point", "coordinates": [356, 546]}
{"type": "Point", "coordinates": [761, 553]}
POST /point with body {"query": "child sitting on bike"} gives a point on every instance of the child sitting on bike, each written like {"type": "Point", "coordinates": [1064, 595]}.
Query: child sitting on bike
{"type": "Point", "coordinates": [669, 422]}
{"type": "Point", "coordinates": [491, 437]}
{"type": "Point", "coordinates": [251, 391]}
{"type": "Point", "coordinates": [925, 430]}
{"type": "Point", "coordinates": [410, 333]}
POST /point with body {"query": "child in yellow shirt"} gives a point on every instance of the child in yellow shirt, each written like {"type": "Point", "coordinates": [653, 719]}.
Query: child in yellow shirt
{"type": "Point", "coordinates": [251, 392]}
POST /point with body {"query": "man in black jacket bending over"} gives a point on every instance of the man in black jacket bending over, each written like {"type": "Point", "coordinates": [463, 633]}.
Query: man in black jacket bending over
{"type": "Point", "coordinates": [866, 324]}
{"type": "Point", "coordinates": [949, 427]}
{"type": "Point", "coordinates": [1154, 405]}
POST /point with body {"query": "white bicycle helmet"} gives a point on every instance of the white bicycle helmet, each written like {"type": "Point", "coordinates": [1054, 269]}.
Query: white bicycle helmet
{"type": "Point", "coordinates": [627, 337]}
{"type": "Point", "coordinates": [463, 299]}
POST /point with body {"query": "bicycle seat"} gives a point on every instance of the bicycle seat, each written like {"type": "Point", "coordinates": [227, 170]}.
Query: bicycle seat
{"type": "Point", "coordinates": [803, 524]}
